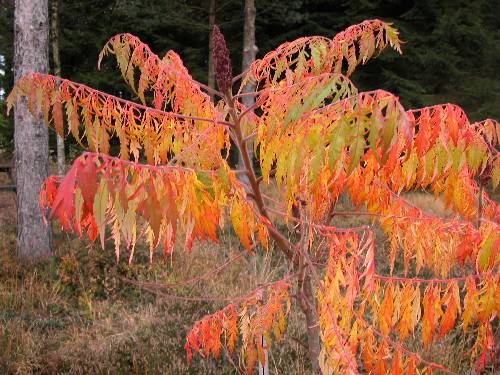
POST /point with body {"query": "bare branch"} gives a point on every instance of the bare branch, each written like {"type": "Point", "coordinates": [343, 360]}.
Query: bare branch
{"type": "Point", "coordinates": [248, 138]}
{"type": "Point", "coordinates": [283, 243]}
{"type": "Point", "coordinates": [241, 75]}
{"type": "Point", "coordinates": [209, 89]}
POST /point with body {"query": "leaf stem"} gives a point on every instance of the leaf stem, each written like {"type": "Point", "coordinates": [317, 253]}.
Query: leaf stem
{"type": "Point", "coordinates": [480, 205]}
{"type": "Point", "coordinates": [239, 76]}
{"type": "Point", "coordinates": [80, 86]}
{"type": "Point", "coordinates": [209, 89]}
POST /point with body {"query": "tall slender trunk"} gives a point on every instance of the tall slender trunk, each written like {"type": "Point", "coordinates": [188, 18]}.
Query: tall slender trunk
{"type": "Point", "coordinates": [211, 23]}
{"type": "Point", "coordinates": [308, 307]}
{"type": "Point", "coordinates": [31, 149]}
{"type": "Point", "coordinates": [54, 42]}
{"type": "Point", "coordinates": [305, 293]}
{"type": "Point", "coordinates": [249, 48]}
{"type": "Point", "coordinates": [249, 52]}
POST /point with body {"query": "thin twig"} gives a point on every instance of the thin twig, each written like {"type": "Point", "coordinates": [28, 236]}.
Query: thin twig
{"type": "Point", "coordinates": [431, 281]}
{"type": "Point", "coordinates": [209, 89]}
{"type": "Point", "coordinates": [249, 137]}
{"type": "Point", "coordinates": [106, 158]}
{"type": "Point", "coordinates": [413, 354]}
{"type": "Point", "coordinates": [239, 76]}
{"type": "Point", "coordinates": [253, 93]}
{"type": "Point", "coordinates": [480, 205]}
{"type": "Point", "coordinates": [282, 242]}
{"type": "Point", "coordinates": [129, 103]}
{"type": "Point", "coordinates": [206, 298]}
{"type": "Point", "coordinates": [228, 356]}
{"type": "Point", "coordinates": [205, 276]}
{"type": "Point", "coordinates": [326, 228]}
{"type": "Point", "coordinates": [250, 109]}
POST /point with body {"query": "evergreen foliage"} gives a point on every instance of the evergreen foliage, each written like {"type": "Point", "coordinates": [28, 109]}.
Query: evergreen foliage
{"type": "Point", "coordinates": [455, 45]}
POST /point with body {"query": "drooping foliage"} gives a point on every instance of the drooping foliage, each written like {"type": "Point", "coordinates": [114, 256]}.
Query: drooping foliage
{"type": "Point", "coordinates": [315, 55]}
{"type": "Point", "coordinates": [451, 54]}
{"type": "Point", "coordinates": [315, 136]}
{"type": "Point", "coordinates": [100, 191]}
{"type": "Point", "coordinates": [253, 318]}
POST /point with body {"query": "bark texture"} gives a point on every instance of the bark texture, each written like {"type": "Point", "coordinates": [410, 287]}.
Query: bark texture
{"type": "Point", "coordinates": [56, 59]}
{"type": "Point", "coordinates": [308, 307]}
{"type": "Point", "coordinates": [31, 32]}
{"type": "Point", "coordinates": [249, 52]}
{"type": "Point", "coordinates": [249, 48]}
{"type": "Point", "coordinates": [305, 293]}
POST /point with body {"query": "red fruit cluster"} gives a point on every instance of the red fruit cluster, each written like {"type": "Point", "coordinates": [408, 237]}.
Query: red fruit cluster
{"type": "Point", "coordinates": [222, 61]}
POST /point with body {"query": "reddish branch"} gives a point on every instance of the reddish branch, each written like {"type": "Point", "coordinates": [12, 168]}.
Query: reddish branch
{"type": "Point", "coordinates": [282, 242]}
{"type": "Point", "coordinates": [244, 297]}
{"type": "Point", "coordinates": [106, 157]}
{"type": "Point", "coordinates": [413, 354]}
{"type": "Point", "coordinates": [78, 86]}
{"type": "Point", "coordinates": [416, 280]}
{"type": "Point", "coordinates": [205, 276]}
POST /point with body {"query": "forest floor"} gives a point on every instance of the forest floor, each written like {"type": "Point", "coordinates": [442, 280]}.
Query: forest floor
{"type": "Point", "coordinates": [73, 313]}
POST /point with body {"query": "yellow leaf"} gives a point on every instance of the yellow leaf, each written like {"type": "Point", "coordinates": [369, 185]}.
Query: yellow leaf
{"type": "Point", "coordinates": [100, 205]}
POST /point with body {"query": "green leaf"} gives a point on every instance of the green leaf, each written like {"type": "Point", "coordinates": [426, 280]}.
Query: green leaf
{"type": "Point", "coordinates": [474, 158]}
{"type": "Point", "coordinates": [376, 124]}
{"type": "Point", "coordinates": [223, 177]}
{"type": "Point", "coordinates": [316, 55]}
{"type": "Point", "coordinates": [458, 156]}
{"type": "Point", "coordinates": [409, 168]}
{"type": "Point", "coordinates": [314, 99]}
{"type": "Point", "coordinates": [337, 142]}
{"type": "Point", "coordinates": [316, 163]}
{"type": "Point", "coordinates": [206, 182]}
{"type": "Point", "coordinates": [483, 257]}
{"type": "Point", "coordinates": [356, 149]}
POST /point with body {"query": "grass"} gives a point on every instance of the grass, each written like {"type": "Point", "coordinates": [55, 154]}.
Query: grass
{"type": "Point", "coordinates": [73, 314]}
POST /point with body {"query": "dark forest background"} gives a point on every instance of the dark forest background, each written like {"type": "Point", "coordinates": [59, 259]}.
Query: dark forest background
{"type": "Point", "coordinates": [451, 51]}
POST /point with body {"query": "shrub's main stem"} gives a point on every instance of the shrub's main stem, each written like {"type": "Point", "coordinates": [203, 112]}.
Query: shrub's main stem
{"type": "Point", "coordinates": [295, 253]}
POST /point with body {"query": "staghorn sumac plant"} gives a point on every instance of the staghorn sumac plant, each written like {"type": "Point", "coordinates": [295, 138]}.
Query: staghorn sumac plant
{"type": "Point", "coordinates": [315, 137]}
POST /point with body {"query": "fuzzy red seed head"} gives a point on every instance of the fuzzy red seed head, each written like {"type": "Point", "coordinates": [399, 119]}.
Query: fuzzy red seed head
{"type": "Point", "coordinates": [222, 61]}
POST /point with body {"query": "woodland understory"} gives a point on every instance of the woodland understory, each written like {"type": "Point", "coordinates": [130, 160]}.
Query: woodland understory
{"type": "Point", "coordinates": [355, 235]}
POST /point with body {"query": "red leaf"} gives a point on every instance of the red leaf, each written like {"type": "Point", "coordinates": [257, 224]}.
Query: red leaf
{"type": "Point", "coordinates": [63, 203]}
{"type": "Point", "coordinates": [87, 181]}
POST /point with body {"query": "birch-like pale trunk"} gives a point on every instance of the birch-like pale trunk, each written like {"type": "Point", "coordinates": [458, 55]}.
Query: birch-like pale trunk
{"type": "Point", "coordinates": [31, 147]}
{"type": "Point", "coordinates": [54, 43]}
{"type": "Point", "coordinates": [249, 52]}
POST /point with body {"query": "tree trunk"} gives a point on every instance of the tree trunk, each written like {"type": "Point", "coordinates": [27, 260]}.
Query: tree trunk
{"type": "Point", "coordinates": [31, 149]}
{"type": "Point", "coordinates": [249, 48]}
{"type": "Point", "coordinates": [211, 23]}
{"type": "Point", "coordinates": [54, 42]}
{"type": "Point", "coordinates": [249, 52]}
{"type": "Point", "coordinates": [308, 307]}
{"type": "Point", "coordinates": [305, 293]}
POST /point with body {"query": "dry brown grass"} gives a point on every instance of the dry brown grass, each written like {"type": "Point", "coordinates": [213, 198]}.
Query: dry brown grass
{"type": "Point", "coordinates": [73, 314]}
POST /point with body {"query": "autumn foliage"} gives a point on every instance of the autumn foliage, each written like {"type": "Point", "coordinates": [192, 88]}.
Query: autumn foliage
{"type": "Point", "coordinates": [314, 136]}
